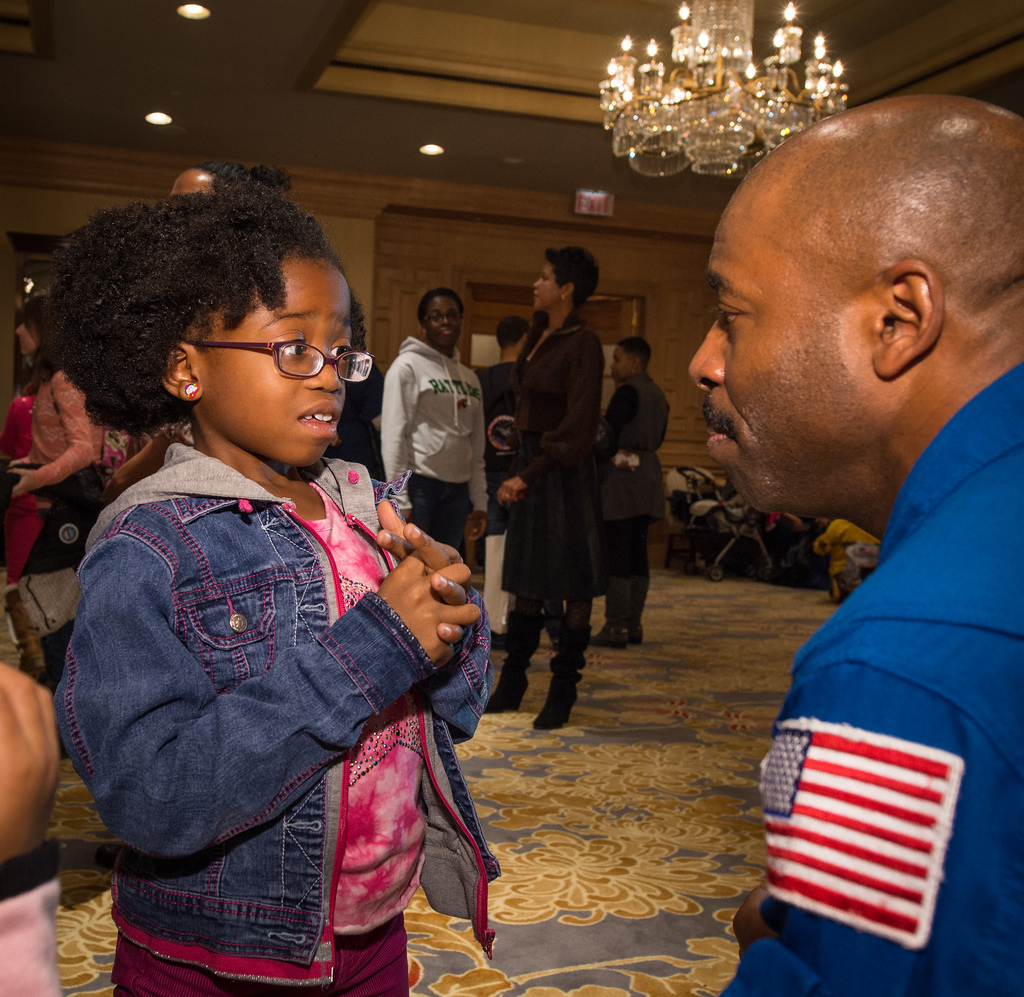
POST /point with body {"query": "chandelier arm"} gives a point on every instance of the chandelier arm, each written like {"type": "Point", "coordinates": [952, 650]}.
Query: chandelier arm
{"type": "Point", "coordinates": [729, 119]}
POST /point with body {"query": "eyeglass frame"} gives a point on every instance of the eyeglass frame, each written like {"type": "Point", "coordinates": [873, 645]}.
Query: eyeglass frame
{"type": "Point", "coordinates": [276, 347]}
{"type": "Point", "coordinates": [453, 316]}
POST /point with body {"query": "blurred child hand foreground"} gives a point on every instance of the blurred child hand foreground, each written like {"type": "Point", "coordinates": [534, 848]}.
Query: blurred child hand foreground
{"type": "Point", "coordinates": [29, 763]}
{"type": "Point", "coordinates": [29, 759]}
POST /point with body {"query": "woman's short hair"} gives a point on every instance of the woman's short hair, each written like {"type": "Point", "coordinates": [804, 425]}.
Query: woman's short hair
{"type": "Point", "coordinates": [437, 292]}
{"type": "Point", "coordinates": [138, 280]}
{"type": "Point", "coordinates": [575, 264]}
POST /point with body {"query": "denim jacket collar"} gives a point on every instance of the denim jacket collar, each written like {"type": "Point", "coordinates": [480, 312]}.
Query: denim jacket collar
{"type": "Point", "coordinates": [189, 473]}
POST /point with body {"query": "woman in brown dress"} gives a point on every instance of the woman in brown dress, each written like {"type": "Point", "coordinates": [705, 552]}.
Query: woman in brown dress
{"type": "Point", "coordinates": [553, 546]}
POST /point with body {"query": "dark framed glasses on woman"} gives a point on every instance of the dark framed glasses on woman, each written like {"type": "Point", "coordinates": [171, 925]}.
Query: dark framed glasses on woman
{"type": "Point", "coordinates": [300, 359]}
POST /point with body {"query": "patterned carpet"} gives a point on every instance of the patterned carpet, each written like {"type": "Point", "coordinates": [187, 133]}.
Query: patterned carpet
{"type": "Point", "coordinates": [627, 839]}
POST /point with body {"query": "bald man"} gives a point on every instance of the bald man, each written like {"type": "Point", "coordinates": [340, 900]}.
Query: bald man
{"type": "Point", "coordinates": [866, 364]}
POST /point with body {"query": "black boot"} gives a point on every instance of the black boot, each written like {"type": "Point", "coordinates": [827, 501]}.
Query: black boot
{"type": "Point", "coordinates": [615, 631]}
{"type": "Point", "coordinates": [638, 585]}
{"type": "Point", "coordinates": [521, 640]}
{"type": "Point", "coordinates": [565, 673]}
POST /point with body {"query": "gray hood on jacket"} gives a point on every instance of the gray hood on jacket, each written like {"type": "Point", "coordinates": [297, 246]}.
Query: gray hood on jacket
{"type": "Point", "coordinates": [188, 472]}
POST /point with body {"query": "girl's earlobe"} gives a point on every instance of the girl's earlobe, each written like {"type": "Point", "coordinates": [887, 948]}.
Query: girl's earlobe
{"type": "Point", "coordinates": [180, 379]}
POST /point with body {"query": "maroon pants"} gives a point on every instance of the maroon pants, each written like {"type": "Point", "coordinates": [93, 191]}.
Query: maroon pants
{"type": "Point", "coordinates": [370, 965]}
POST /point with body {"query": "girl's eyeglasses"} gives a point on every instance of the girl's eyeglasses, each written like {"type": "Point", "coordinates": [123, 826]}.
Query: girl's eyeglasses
{"type": "Point", "coordinates": [299, 359]}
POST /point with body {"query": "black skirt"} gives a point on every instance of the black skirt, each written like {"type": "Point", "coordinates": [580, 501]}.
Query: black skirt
{"type": "Point", "coordinates": [554, 544]}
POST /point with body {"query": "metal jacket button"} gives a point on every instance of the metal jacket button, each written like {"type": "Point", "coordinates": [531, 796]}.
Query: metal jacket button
{"type": "Point", "coordinates": [238, 623]}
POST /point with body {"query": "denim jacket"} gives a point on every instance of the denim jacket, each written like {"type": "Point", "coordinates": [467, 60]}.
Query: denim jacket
{"type": "Point", "coordinates": [210, 694]}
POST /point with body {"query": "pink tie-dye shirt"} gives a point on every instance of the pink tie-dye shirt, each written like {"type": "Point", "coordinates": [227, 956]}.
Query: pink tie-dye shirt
{"type": "Point", "coordinates": [382, 828]}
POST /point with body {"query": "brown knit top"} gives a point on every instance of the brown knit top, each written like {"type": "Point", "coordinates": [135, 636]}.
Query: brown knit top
{"type": "Point", "coordinates": [558, 393]}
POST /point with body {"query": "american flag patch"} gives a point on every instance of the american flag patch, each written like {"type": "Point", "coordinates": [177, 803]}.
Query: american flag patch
{"type": "Point", "coordinates": [856, 826]}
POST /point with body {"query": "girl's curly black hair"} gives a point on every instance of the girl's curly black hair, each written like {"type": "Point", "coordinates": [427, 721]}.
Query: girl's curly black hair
{"type": "Point", "coordinates": [137, 280]}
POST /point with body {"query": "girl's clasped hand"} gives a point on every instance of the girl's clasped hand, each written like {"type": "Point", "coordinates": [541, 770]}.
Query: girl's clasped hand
{"type": "Point", "coordinates": [437, 614]}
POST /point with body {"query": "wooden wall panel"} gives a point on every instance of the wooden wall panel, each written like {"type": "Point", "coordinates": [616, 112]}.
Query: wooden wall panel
{"type": "Point", "coordinates": [415, 252]}
{"type": "Point", "coordinates": [428, 233]}
{"type": "Point", "coordinates": [137, 173]}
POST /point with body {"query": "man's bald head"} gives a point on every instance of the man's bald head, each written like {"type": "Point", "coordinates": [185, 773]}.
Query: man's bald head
{"type": "Point", "coordinates": [935, 178]}
{"type": "Point", "coordinates": [870, 277]}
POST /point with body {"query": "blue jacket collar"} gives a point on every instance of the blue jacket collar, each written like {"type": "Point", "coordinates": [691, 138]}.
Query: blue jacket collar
{"type": "Point", "coordinates": [990, 425]}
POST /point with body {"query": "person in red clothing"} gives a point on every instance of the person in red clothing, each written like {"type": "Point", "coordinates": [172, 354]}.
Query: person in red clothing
{"type": "Point", "coordinates": [22, 522]}
{"type": "Point", "coordinates": [64, 441]}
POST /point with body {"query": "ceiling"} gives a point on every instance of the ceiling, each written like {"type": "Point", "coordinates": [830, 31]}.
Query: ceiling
{"type": "Point", "coordinates": [507, 87]}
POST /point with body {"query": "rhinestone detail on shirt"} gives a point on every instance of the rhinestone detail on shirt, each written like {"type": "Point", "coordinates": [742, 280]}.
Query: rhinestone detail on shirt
{"type": "Point", "coordinates": [398, 725]}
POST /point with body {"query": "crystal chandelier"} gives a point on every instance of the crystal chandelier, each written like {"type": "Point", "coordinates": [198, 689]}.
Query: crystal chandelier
{"type": "Point", "coordinates": [714, 112]}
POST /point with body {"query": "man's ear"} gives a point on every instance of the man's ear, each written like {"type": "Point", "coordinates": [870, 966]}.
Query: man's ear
{"type": "Point", "coordinates": [910, 318]}
{"type": "Point", "coordinates": [181, 379]}
{"type": "Point", "coordinates": [566, 290]}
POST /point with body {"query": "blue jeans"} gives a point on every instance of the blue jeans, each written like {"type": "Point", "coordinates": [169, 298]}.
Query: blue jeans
{"type": "Point", "coordinates": [441, 509]}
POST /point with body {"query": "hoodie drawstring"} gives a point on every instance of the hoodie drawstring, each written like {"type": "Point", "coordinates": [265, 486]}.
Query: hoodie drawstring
{"type": "Point", "coordinates": [455, 394]}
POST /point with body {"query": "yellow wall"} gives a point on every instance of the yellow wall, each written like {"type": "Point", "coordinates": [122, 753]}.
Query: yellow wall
{"type": "Point", "coordinates": [353, 240]}
{"type": "Point", "coordinates": [58, 212]}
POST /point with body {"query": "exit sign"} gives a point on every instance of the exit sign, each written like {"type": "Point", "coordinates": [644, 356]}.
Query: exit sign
{"type": "Point", "coordinates": [595, 202]}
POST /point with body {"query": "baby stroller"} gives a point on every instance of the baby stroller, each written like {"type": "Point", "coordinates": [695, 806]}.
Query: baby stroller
{"type": "Point", "coordinates": [722, 530]}
{"type": "Point", "coordinates": [683, 487]}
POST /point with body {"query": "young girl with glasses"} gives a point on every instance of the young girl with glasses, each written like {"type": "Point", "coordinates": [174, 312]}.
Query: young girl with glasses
{"type": "Point", "coordinates": [263, 687]}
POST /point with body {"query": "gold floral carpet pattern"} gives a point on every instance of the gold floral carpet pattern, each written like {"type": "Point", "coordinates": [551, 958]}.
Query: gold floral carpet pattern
{"type": "Point", "coordinates": [627, 839]}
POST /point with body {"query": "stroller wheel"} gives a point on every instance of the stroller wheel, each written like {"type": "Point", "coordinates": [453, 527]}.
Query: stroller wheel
{"type": "Point", "coordinates": [716, 572]}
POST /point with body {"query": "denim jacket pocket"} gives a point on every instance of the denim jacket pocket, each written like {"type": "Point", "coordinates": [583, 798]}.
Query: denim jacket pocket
{"type": "Point", "coordinates": [235, 635]}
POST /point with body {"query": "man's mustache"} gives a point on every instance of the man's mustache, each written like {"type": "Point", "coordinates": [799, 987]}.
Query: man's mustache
{"type": "Point", "coordinates": [717, 422]}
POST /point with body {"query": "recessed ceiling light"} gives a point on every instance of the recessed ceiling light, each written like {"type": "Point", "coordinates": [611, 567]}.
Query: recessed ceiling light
{"type": "Point", "coordinates": [431, 149]}
{"type": "Point", "coordinates": [514, 160]}
{"type": "Point", "coordinates": [194, 11]}
{"type": "Point", "coordinates": [158, 118]}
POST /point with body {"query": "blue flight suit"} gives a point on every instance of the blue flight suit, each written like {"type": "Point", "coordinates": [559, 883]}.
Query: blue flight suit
{"type": "Point", "coordinates": [930, 649]}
